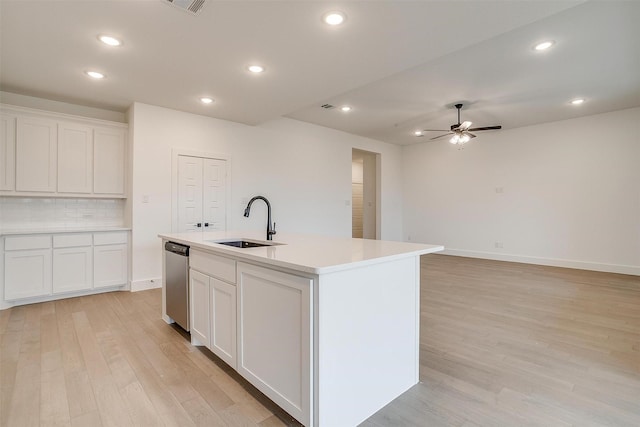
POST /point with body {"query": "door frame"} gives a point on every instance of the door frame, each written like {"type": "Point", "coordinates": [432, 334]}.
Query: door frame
{"type": "Point", "coordinates": [175, 152]}
{"type": "Point", "coordinates": [377, 158]}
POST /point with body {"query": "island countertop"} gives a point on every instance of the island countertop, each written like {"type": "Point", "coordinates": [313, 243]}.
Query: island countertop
{"type": "Point", "coordinates": [304, 252]}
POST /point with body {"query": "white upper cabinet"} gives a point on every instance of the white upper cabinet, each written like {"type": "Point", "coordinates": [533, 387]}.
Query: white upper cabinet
{"type": "Point", "coordinates": [75, 158]}
{"type": "Point", "coordinates": [36, 154]}
{"type": "Point", "coordinates": [44, 154]}
{"type": "Point", "coordinates": [7, 152]}
{"type": "Point", "coordinates": [109, 161]}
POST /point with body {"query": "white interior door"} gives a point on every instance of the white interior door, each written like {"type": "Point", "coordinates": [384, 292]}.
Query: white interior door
{"type": "Point", "coordinates": [213, 197]}
{"type": "Point", "coordinates": [201, 194]}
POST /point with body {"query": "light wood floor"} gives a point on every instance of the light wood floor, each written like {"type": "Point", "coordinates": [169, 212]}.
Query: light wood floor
{"type": "Point", "coordinates": [506, 344]}
{"type": "Point", "coordinates": [503, 344]}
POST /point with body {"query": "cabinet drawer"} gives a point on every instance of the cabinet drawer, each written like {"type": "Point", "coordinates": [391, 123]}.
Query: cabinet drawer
{"type": "Point", "coordinates": [112, 238]}
{"type": "Point", "coordinates": [71, 240]}
{"type": "Point", "coordinates": [213, 265]}
{"type": "Point", "coordinates": [27, 242]}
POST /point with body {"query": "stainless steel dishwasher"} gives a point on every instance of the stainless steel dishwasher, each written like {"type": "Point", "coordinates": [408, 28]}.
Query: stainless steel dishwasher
{"type": "Point", "coordinates": [176, 273]}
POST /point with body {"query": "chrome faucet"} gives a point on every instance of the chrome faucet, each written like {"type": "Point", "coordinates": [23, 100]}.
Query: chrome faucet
{"type": "Point", "coordinates": [270, 231]}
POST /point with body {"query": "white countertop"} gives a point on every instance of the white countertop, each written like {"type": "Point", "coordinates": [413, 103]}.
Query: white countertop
{"type": "Point", "coordinates": [57, 230]}
{"type": "Point", "coordinates": [306, 253]}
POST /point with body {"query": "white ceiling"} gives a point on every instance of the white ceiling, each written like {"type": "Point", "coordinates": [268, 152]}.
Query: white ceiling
{"type": "Point", "coordinates": [398, 63]}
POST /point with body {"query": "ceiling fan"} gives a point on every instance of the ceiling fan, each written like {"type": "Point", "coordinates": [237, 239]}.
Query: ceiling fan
{"type": "Point", "coordinates": [461, 131]}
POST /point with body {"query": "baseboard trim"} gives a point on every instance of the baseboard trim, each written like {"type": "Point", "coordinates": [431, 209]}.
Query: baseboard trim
{"type": "Point", "coordinates": [553, 262]}
{"type": "Point", "coordinates": [146, 284]}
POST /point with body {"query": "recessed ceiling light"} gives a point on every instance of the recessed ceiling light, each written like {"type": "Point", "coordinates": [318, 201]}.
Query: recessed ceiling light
{"type": "Point", "coordinates": [109, 40]}
{"type": "Point", "coordinates": [206, 100]}
{"type": "Point", "coordinates": [334, 18]}
{"type": "Point", "coordinates": [345, 108]}
{"type": "Point", "coordinates": [418, 133]}
{"type": "Point", "coordinates": [256, 68]}
{"type": "Point", "coordinates": [543, 45]}
{"type": "Point", "coordinates": [95, 75]}
{"type": "Point", "coordinates": [577, 101]}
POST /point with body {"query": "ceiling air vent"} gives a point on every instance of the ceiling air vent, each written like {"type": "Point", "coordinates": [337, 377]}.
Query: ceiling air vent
{"type": "Point", "coordinates": [327, 106]}
{"type": "Point", "coordinates": [192, 6]}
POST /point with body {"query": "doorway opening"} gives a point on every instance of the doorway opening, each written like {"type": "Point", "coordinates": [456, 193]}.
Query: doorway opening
{"type": "Point", "coordinates": [365, 185]}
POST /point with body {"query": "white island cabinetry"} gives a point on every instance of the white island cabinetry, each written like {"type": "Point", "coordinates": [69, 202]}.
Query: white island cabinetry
{"type": "Point", "coordinates": [274, 336]}
{"type": "Point", "coordinates": [212, 284]}
{"type": "Point", "coordinates": [328, 328]}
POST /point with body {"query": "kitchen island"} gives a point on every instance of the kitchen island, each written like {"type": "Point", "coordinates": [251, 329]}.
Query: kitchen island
{"type": "Point", "coordinates": [326, 327]}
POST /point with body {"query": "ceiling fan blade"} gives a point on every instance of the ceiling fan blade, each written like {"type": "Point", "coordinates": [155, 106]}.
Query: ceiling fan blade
{"type": "Point", "coordinates": [470, 134]}
{"type": "Point", "coordinates": [486, 128]}
{"type": "Point", "coordinates": [464, 126]}
{"type": "Point", "coordinates": [435, 130]}
{"type": "Point", "coordinates": [441, 136]}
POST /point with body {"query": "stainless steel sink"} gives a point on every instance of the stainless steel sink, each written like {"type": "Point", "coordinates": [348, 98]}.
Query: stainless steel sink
{"type": "Point", "coordinates": [244, 243]}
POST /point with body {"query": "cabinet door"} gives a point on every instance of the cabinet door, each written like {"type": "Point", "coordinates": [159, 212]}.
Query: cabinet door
{"type": "Point", "coordinates": [27, 273]}
{"type": "Point", "coordinates": [274, 336]}
{"type": "Point", "coordinates": [36, 154]}
{"type": "Point", "coordinates": [108, 161]}
{"type": "Point", "coordinates": [223, 321]}
{"type": "Point", "coordinates": [109, 265]}
{"type": "Point", "coordinates": [7, 152]}
{"type": "Point", "coordinates": [199, 316]}
{"type": "Point", "coordinates": [72, 269]}
{"type": "Point", "coordinates": [75, 158]}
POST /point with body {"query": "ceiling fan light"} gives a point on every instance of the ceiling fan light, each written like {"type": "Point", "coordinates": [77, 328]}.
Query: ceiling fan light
{"type": "Point", "coordinates": [544, 45]}
{"type": "Point", "coordinates": [110, 40]}
{"type": "Point", "coordinates": [334, 18]}
{"type": "Point", "coordinates": [455, 139]}
{"type": "Point", "coordinates": [95, 74]}
{"type": "Point", "coordinates": [464, 139]}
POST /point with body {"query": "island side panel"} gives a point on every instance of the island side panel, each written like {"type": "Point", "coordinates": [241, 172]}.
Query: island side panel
{"type": "Point", "coordinates": [367, 339]}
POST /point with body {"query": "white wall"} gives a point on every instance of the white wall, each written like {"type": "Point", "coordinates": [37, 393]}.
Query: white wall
{"type": "Point", "coordinates": [570, 193]}
{"type": "Point", "coordinates": [303, 169]}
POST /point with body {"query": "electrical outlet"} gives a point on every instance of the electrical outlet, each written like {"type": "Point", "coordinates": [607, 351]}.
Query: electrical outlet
{"type": "Point", "coordinates": [498, 245]}
{"type": "Point", "coordinates": [145, 199]}
{"type": "Point", "coordinates": [499, 190]}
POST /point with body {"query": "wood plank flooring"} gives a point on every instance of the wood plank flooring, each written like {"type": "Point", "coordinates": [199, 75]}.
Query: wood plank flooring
{"type": "Point", "coordinates": [502, 344]}
{"type": "Point", "coordinates": [109, 360]}
{"type": "Point", "coordinates": [507, 344]}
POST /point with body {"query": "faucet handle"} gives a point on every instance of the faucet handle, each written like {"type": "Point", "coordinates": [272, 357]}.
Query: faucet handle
{"type": "Point", "coordinates": [273, 230]}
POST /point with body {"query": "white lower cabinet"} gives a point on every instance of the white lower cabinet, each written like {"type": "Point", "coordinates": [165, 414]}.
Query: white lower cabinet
{"type": "Point", "coordinates": [110, 259]}
{"type": "Point", "coordinates": [27, 273]}
{"type": "Point", "coordinates": [212, 309]}
{"type": "Point", "coordinates": [72, 262]}
{"type": "Point", "coordinates": [223, 320]}
{"type": "Point", "coordinates": [75, 262]}
{"type": "Point", "coordinates": [274, 336]}
{"type": "Point", "coordinates": [199, 311]}
{"type": "Point", "coordinates": [109, 265]}
{"type": "Point", "coordinates": [72, 269]}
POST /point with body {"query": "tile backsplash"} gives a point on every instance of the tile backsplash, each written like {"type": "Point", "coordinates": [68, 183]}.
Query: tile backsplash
{"type": "Point", "coordinates": [20, 213]}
